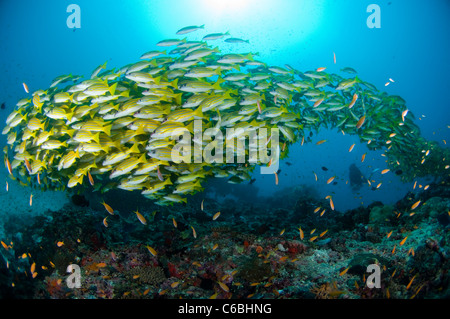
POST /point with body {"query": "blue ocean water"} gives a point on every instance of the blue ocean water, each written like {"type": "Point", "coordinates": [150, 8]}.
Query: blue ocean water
{"type": "Point", "coordinates": [411, 47]}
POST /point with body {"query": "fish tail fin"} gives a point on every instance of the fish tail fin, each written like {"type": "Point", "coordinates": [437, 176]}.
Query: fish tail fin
{"type": "Point", "coordinates": [198, 112]}
{"type": "Point", "coordinates": [107, 129]}
{"type": "Point", "coordinates": [96, 137]}
{"type": "Point", "coordinates": [112, 88]}
{"type": "Point", "coordinates": [174, 83]}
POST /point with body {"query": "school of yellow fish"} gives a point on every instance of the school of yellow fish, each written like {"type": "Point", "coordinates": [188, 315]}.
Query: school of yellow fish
{"type": "Point", "coordinates": [114, 130]}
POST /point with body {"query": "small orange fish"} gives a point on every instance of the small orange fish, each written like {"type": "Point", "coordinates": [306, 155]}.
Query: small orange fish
{"type": "Point", "coordinates": [403, 241]}
{"type": "Point", "coordinates": [162, 292]}
{"type": "Point", "coordinates": [301, 233]}
{"type": "Point", "coordinates": [174, 222]}
{"type": "Point", "coordinates": [323, 233]}
{"type": "Point", "coordinates": [355, 97]}
{"type": "Point", "coordinates": [216, 215]}
{"type": "Point", "coordinates": [426, 187]}
{"type": "Point", "coordinates": [201, 205]}
{"type": "Point", "coordinates": [315, 176]}
{"type": "Point", "coordinates": [282, 232]}
{"type": "Point", "coordinates": [363, 157]}
{"type": "Point", "coordinates": [312, 231]}
{"type": "Point", "coordinates": [317, 209]}
{"type": "Point", "coordinates": [331, 204]}
{"type": "Point", "coordinates": [323, 212]}
{"type": "Point", "coordinates": [25, 87]}
{"type": "Point", "coordinates": [140, 217]}
{"type": "Point", "coordinates": [91, 180]}
{"type": "Point", "coordinates": [276, 178]}
{"type": "Point", "coordinates": [361, 122]}
{"type": "Point", "coordinates": [385, 171]}
{"type": "Point", "coordinates": [318, 102]}
{"type": "Point", "coordinates": [31, 199]}
{"type": "Point", "coordinates": [223, 286]}
{"type": "Point", "coordinates": [393, 250]}
{"type": "Point", "coordinates": [105, 223]}
{"type": "Point", "coordinates": [387, 83]}
{"type": "Point", "coordinates": [28, 166]}
{"type": "Point", "coordinates": [404, 113]}
{"type": "Point", "coordinates": [194, 233]}
{"type": "Point", "coordinates": [174, 284]}
{"type": "Point", "coordinates": [334, 58]}
{"type": "Point", "coordinates": [415, 184]}
{"type": "Point", "coordinates": [414, 206]}
{"type": "Point", "coordinates": [8, 165]}
{"type": "Point", "coordinates": [378, 186]}
{"type": "Point", "coordinates": [351, 148]}
{"type": "Point", "coordinates": [215, 246]}
{"type": "Point", "coordinates": [214, 296]}
{"type": "Point", "coordinates": [151, 250]}
{"type": "Point", "coordinates": [330, 179]}
{"type": "Point", "coordinates": [4, 245]}
{"type": "Point", "coordinates": [313, 238]}
{"type": "Point", "coordinates": [101, 265]}
{"type": "Point", "coordinates": [389, 234]}
{"type": "Point", "coordinates": [38, 179]}
{"type": "Point", "coordinates": [409, 285]}
{"type": "Point", "coordinates": [60, 243]}
{"type": "Point", "coordinates": [321, 69]}
{"type": "Point", "coordinates": [342, 273]}
{"type": "Point", "coordinates": [321, 142]}
{"type": "Point", "coordinates": [108, 208]}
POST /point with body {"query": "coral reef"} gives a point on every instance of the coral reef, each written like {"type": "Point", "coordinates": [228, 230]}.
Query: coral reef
{"type": "Point", "coordinates": [239, 255]}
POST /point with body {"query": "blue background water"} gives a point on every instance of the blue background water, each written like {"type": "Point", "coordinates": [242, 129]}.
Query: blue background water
{"type": "Point", "coordinates": [411, 47]}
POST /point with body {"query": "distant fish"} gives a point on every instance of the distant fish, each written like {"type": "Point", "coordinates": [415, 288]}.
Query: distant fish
{"type": "Point", "coordinates": [252, 181]}
{"type": "Point", "coordinates": [151, 250]}
{"type": "Point", "coordinates": [25, 87]}
{"type": "Point", "coordinates": [361, 122]}
{"type": "Point", "coordinates": [349, 70]}
{"type": "Point", "coordinates": [324, 168]}
{"type": "Point", "coordinates": [215, 36]}
{"type": "Point", "coordinates": [140, 217]}
{"type": "Point", "coordinates": [190, 29]}
{"type": "Point", "coordinates": [414, 206]}
{"type": "Point", "coordinates": [236, 40]}
{"type": "Point", "coordinates": [2, 106]}
{"type": "Point", "coordinates": [108, 208]}
{"type": "Point", "coordinates": [288, 163]}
